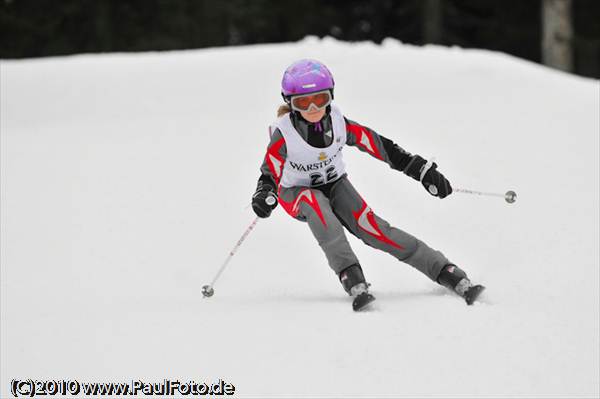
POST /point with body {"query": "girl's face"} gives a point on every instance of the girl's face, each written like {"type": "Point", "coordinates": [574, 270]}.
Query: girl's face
{"type": "Point", "coordinates": [313, 115]}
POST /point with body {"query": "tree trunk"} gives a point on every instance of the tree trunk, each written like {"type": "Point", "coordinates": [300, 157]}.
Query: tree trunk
{"type": "Point", "coordinates": [432, 21]}
{"type": "Point", "coordinates": [557, 34]}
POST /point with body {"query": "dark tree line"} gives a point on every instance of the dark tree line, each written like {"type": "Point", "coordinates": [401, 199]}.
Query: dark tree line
{"type": "Point", "coordinates": [37, 28]}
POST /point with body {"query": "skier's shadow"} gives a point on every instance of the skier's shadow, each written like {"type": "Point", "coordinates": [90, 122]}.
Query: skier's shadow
{"type": "Point", "coordinates": [319, 298]}
{"type": "Point", "coordinates": [437, 292]}
{"type": "Point", "coordinates": [387, 295]}
{"type": "Point", "coordinates": [404, 295]}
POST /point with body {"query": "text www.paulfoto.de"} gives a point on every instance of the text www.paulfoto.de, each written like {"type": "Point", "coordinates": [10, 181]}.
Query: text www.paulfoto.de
{"type": "Point", "coordinates": [31, 388]}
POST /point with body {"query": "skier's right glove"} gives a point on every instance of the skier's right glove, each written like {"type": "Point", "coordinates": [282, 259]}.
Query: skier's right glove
{"type": "Point", "coordinates": [264, 195]}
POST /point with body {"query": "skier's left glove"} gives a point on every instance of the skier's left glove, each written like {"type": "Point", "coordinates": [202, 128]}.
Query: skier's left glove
{"type": "Point", "coordinates": [434, 182]}
{"type": "Point", "coordinates": [262, 200]}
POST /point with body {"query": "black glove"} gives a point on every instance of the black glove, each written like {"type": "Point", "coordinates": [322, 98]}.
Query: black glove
{"type": "Point", "coordinates": [259, 200]}
{"type": "Point", "coordinates": [434, 182]}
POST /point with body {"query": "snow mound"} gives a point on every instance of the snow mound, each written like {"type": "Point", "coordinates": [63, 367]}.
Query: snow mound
{"type": "Point", "coordinates": [125, 184]}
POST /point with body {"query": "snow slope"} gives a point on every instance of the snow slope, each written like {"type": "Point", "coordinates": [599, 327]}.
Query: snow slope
{"type": "Point", "coordinates": [126, 180]}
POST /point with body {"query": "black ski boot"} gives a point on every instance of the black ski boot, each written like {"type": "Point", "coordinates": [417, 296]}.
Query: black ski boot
{"type": "Point", "coordinates": [354, 283]}
{"type": "Point", "coordinates": [456, 279]}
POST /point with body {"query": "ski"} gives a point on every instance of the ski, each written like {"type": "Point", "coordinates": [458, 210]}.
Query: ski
{"type": "Point", "coordinates": [362, 301]}
{"type": "Point", "coordinates": [473, 293]}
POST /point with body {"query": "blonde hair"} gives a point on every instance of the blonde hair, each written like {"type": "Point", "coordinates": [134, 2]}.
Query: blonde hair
{"type": "Point", "coordinates": [283, 109]}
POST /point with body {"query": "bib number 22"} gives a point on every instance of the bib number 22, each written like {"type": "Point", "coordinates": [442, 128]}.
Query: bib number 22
{"type": "Point", "coordinates": [318, 179]}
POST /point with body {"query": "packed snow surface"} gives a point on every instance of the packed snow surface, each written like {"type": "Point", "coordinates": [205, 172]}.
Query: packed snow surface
{"type": "Point", "coordinates": [126, 180]}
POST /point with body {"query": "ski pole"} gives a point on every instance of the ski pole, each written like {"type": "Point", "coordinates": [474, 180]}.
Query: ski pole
{"type": "Point", "coordinates": [208, 290]}
{"type": "Point", "coordinates": [510, 196]}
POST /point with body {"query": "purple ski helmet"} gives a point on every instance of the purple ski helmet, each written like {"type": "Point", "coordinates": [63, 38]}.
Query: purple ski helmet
{"type": "Point", "coordinates": [306, 76]}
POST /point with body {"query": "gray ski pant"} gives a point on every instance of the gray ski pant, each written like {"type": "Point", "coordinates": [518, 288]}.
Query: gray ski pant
{"type": "Point", "coordinates": [327, 210]}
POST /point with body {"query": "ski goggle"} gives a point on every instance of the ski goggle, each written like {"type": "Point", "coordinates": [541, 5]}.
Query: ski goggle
{"type": "Point", "coordinates": [319, 99]}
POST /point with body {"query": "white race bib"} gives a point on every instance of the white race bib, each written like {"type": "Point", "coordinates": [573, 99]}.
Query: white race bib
{"type": "Point", "coordinates": [309, 166]}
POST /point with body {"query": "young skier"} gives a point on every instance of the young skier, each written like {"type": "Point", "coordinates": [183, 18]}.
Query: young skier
{"type": "Point", "coordinates": [304, 170]}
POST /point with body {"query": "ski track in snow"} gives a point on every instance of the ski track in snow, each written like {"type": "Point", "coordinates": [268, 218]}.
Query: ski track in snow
{"type": "Point", "coordinates": [125, 184]}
